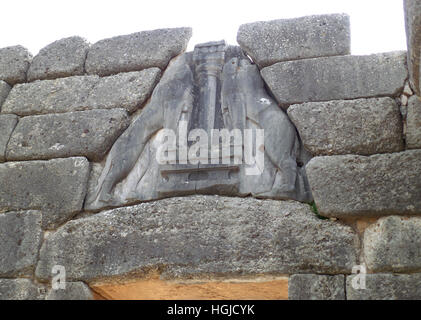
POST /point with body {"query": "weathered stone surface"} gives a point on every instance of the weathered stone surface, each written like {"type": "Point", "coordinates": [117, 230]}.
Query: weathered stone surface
{"type": "Point", "coordinates": [197, 235]}
{"type": "Point", "coordinates": [362, 126]}
{"type": "Point", "coordinates": [316, 287]}
{"type": "Point", "coordinates": [50, 96]}
{"type": "Point", "coordinates": [62, 58]}
{"type": "Point", "coordinates": [7, 124]}
{"type": "Point", "coordinates": [131, 172]}
{"type": "Point", "coordinates": [350, 185]}
{"type": "Point", "coordinates": [73, 291]}
{"type": "Point", "coordinates": [4, 91]}
{"type": "Point", "coordinates": [14, 62]}
{"type": "Point", "coordinates": [413, 121]}
{"type": "Point", "coordinates": [386, 287]}
{"type": "Point", "coordinates": [57, 187]}
{"type": "Point", "coordinates": [81, 133]}
{"type": "Point", "coordinates": [269, 42]}
{"type": "Point", "coordinates": [20, 289]}
{"type": "Point", "coordinates": [337, 78]}
{"type": "Point", "coordinates": [21, 236]}
{"type": "Point", "coordinates": [393, 244]}
{"type": "Point", "coordinates": [413, 36]}
{"type": "Point", "coordinates": [136, 51]}
{"type": "Point", "coordinates": [125, 90]}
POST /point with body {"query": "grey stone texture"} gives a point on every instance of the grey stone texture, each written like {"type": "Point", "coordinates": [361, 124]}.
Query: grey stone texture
{"type": "Point", "coordinates": [386, 287]}
{"type": "Point", "coordinates": [77, 93]}
{"type": "Point", "coordinates": [196, 235]}
{"type": "Point", "coordinates": [20, 289]}
{"type": "Point", "coordinates": [136, 51]}
{"type": "Point", "coordinates": [62, 58]}
{"type": "Point", "coordinates": [269, 42]}
{"type": "Point", "coordinates": [4, 91]}
{"type": "Point", "coordinates": [316, 287]}
{"type": "Point", "coordinates": [393, 244]}
{"type": "Point", "coordinates": [50, 96]}
{"type": "Point", "coordinates": [56, 187]}
{"type": "Point", "coordinates": [14, 63]}
{"type": "Point", "coordinates": [82, 133]}
{"type": "Point", "coordinates": [337, 78]}
{"type": "Point", "coordinates": [359, 186]}
{"type": "Point", "coordinates": [362, 126]}
{"type": "Point", "coordinates": [21, 236]}
{"type": "Point", "coordinates": [73, 291]}
{"type": "Point", "coordinates": [413, 122]}
{"type": "Point", "coordinates": [7, 125]}
{"type": "Point", "coordinates": [128, 90]}
{"type": "Point", "coordinates": [131, 172]}
{"type": "Point", "coordinates": [413, 36]}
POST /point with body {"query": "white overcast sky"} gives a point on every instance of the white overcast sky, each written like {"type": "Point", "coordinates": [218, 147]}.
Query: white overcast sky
{"type": "Point", "coordinates": [376, 25]}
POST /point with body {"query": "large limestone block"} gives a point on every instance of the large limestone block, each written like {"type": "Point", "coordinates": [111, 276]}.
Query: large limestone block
{"type": "Point", "coordinates": [82, 133]}
{"type": "Point", "coordinates": [57, 187]}
{"type": "Point", "coordinates": [4, 91]}
{"type": "Point", "coordinates": [316, 287]}
{"type": "Point", "coordinates": [197, 235]}
{"type": "Point", "coordinates": [62, 58]}
{"type": "Point", "coordinates": [73, 291]}
{"type": "Point", "coordinates": [21, 236]}
{"type": "Point", "coordinates": [413, 36]}
{"type": "Point", "coordinates": [136, 51]}
{"type": "Point", "coordinates": [50, 96]}
{"type": "Point", "coordinates": [14, 63]}
{"type": "Point", "coordinates": [413, 121]}
{"type": "Point", "coordinates": [268, 42]}
{"type": "Point", "coordinates": [393, 244]}
{"type": "Point", "coordinates": [337, 78]}
{"type": "Point", "coordinates": [20, 289]}
{"type": "Point", "coordinates": [128, 90]}
{"type": "Point", "coordinates": [385, 286]}
{"type": "Point", "coordinates": [358, 186]}
{"type": "Point", "coordinates": [362, 126]}
{"type": "Point", "coordinates": [7, 125]}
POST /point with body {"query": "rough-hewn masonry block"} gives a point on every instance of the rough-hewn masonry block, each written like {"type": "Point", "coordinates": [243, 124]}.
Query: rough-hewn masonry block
{"type": "Point", "coordinates": [7, 125]}
{"type": "Point", "coordinates": [136, 51]}
{"type": "Point", "coordinates": [358, 186]}
{"type": "Point", "coordinates": [413, 36]}
{"type": "Point", "coordinates": [14, 63]}
{"type": "Point", "coordinates": [56, 187]}
{"type": "Point", "coordinates": [50, 96]}
{"type": "Point", "coordinates": [21, 237]}
{"type": "Point", "coordinates": [198, 235]}
{"type": "Point", "coordinates": [125, 90]}
{"type": "Point", "coordinates": [362, 126]}
{"type": "Point", "coordinates": [393, 244]}
{"type": "Point", "coordinates": [4, 92]}
{"type": "Point", "coordinates": [269, 42]}
{"type": "Point", "coordinates": [316, 287]}
{"type": "Point", "coordinates": [337, 78]}
{"type": "Point", "coordinates": [20, 289]}
{"type": "Point", "coordinates": [128, 90]}
{"type": "Point", "coordinates": [62, 58]}
{"type": "Point", "coordinates": [73, 291]}
{"type": "Point", "coordinates": [386, 287]}
{"type": "Point", "coordinates": [413, 122]}
{"type": "Point", "coordinates": [82, 133]}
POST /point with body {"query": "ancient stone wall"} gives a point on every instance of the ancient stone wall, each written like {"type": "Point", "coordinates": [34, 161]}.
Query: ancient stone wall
{"type": "Point", "coordinates": [357, 117]}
